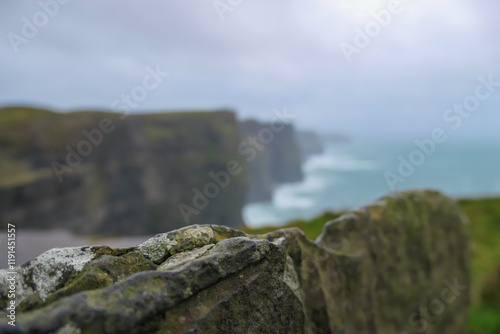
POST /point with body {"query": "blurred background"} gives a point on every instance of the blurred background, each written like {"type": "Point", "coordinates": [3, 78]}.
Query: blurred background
{"type": "Point", "coordinates": [120, 119]}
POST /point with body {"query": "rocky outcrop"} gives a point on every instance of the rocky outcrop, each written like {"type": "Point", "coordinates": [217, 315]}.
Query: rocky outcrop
{"type": "Point", "coordinates": [273, 159]}
{"type": "Point", "coordinates": [394, 267]}
{"type": "Point", "coordinates": [108, 173]}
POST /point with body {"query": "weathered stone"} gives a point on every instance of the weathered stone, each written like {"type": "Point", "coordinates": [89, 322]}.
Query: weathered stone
{"type": "Point", "coordinates": [180, 259]}
{"type": "Point", "coordinates": [163, 245]}
{"type": "Point", "coordinates": [48, 272]}
{"type": "Point", "coordinates": [396, 266]}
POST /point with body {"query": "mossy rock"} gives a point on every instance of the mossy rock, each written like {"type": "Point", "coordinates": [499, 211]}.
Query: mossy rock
{"type": "Point", "coordinates": [370, 271]}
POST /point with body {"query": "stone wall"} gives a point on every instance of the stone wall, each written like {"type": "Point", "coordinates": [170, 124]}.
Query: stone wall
{"type": "Point", "coordinates": [397, 266]}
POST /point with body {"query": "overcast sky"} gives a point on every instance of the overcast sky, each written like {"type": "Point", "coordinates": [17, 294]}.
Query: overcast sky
{"type": "Point", "coordinates": [260, 55]}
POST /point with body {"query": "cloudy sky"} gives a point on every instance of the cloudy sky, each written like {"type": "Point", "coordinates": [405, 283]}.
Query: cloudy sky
{"type": "Point", "coordinates": [256, 55]}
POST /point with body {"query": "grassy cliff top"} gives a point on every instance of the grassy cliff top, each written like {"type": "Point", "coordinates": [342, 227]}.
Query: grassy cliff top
{"type": "Point", "coordinates": [31, 138]}
{"type": "Point", "coordinates": [18, 114]}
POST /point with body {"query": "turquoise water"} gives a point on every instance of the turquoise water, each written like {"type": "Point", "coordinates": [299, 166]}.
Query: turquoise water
{"type": "Point", "coordinates": [350, 175]}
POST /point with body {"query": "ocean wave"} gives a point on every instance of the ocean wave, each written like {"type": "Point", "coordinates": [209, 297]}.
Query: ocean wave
{"type": "Point", "coordinates": [261, 214]}
{"type": "Point", "coordinates": [287, 201]}
{"type": "Point", "coordinates": [338, 162]}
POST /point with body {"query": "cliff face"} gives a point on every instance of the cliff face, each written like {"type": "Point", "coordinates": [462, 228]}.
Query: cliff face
{"type": "Point", "coordinates": [400, 265]}
{"type": "Point", "coordinates": [96, 172]}
{"type": "Point", "coordinates": [278, 160]}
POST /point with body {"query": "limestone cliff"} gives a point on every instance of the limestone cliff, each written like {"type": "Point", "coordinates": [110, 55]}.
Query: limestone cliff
{"type": "Point", "coordinates": [276, 160]}
{"type": "Point", "coordinates": [97, 172]}
{"type": "Point", "coordinates": [398, 266]}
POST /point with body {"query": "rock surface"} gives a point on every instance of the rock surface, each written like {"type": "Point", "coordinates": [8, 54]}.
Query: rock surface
{"type": "Point", "coordinates": [394, 267]}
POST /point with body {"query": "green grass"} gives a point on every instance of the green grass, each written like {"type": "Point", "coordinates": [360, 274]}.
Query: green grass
{"type": "Point", "coordinates": [14, 115]}
{"type": "Point", "coordinates": [484, 215]}
{"type": "Point", "coordinates": [16, 173]}
{"type": "Point", "coordinates": [311, 228]}
{"type": "Point", "coordinates": [484, 320]}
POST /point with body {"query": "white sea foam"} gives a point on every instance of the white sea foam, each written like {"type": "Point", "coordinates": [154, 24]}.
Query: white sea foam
{"type": "Point", "coordinates": [338, 162]}
{"type": "Point", "coordinates": [289, 199]}
{"type": "Point", "coordinates": [261, 214]}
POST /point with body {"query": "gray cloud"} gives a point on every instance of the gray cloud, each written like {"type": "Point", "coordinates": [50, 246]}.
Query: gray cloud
{"type": "Point", "coordinates": [263, 55]}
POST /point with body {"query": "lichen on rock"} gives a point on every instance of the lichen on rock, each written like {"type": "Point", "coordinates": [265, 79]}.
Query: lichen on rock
{"type": "Point", "coordinates": [164, 245]}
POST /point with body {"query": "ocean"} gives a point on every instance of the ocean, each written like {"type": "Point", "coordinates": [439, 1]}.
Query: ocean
{"type": "Point", "coordinates": [349, 175]}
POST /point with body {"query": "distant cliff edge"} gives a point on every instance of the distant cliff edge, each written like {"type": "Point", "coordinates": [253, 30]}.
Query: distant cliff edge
{"type": "Point", "coordinates": [309, 144]}
{"type": "Point", "coordinates": [277, 158]}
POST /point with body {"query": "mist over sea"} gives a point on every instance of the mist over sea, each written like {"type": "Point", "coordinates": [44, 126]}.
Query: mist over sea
{"type": "Point", "coordinates": [349, 175]}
